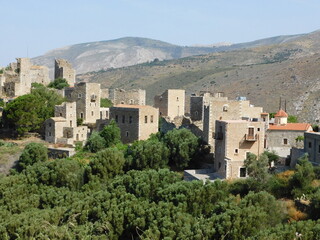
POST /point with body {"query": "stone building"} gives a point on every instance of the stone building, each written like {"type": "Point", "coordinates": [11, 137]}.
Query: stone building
{"type": "Point", "coordinates": [234, 139]}
{"type": "Point", "coordinates": [281, 135]}
{"type": "Point", "coordinates": [16, 80]}
{"type": "Point", "coordinates": [171, 103]}
{"type": "Point", "coordinates": [218, 107]}
{"type": "Point", "coordinates": [62, 128]}
{"type": "Point", "coordinates": [312, 146]}
{"type": "Point", "coordinates": [136, 122]}
{"type": "Point", "coordinates": [87, 98]}
{"type": "Point", "coordinates": [63, 69]}
{"type": "Point", "coordinates": [129, 97]}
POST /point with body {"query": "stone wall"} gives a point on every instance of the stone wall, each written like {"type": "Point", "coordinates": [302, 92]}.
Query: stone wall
{"type": "Point", "coordinates": [312, 146]}
{"type": "Point", "coordinates": [63, 69]}
{"type": "Point", "coordinates": [171, 103]}
{"type": "Point", "coordinates": [135, 122]}
{"type": "Point", "coordinates": [275, 140]}
{"type": "Point", "coordinates": [233, 143]}
{"type": "Point", "coordinates": [87, 98]}
{"type": "Point", "coordinates": [130, 97]}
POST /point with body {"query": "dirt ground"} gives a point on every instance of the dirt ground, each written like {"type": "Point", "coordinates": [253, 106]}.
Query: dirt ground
{"type": "Point", "coordinates": [10, 155]}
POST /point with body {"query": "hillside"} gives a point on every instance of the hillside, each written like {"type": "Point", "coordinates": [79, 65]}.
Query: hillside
{"type": "Point", "coordinates": [289, 69]}
{"type": "Point", "coordinates": [95, 56]}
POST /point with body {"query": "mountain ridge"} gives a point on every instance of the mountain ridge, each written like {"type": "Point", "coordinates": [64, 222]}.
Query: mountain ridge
{"type": "Point", "coordinates": [128, 51]}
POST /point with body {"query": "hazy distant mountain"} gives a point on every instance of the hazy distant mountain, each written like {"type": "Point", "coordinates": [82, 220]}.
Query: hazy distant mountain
{"type": "Point", "coordinates": [287, 67]}
{"type": "Point", "coordinates": [95, 56]}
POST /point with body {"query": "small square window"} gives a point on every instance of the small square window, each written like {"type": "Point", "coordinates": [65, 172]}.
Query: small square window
{"type": "Point", "coordinates": [79, 95]}
{"type": "Point", "coordinates": [285, 141]}
{"type": "Point", "coordinates": [236, 151]}
{"type": "Point", "coordinates": [151, 118]}
{"type": "Point", "coordinates": [145, 119]}
{"type": "Point", "coordinates": [258, 129]}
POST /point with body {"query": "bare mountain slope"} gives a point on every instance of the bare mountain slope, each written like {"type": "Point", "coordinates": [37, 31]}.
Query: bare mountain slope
{"type": "Point", "coordinates": [95, 56]}
{"type": "Point", "coordinates": [290, 69]}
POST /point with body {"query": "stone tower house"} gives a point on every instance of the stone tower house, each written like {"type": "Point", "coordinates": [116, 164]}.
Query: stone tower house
{"type": "Point", "coordinates": [171, 103]}
{"type": "Point", "coordinates": [63, 69]}
{"type": "Point", "coordinates": [87, 96]}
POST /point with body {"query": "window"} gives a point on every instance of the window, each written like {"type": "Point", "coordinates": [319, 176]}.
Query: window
{"type": "Point", "coordinates": [50, 124]}
{"type": "Point", "coordinates": [49, 134]}
{"type": "Point", "coordinates": [123, 119]}
{"type": "Point", "coordinates": [130, 119]}
{"type": "Point", "coordinates": [60, 114]}
{"type": "Point", "coordinates": [131, 101]}
{"type": "Point", "coordinates": [177, 99]}
{"type": "Point", "coordinates": [219, 165]}
{"type": "Point", "coordinates": [151, 118]}
{"type": "Point", "coordinates": [196, 113]}
{"type": "Point", "coordinates": [116, 118]}
{"type": "Point", "coordinates": [107, 114]}
{"type": "Point", "coordinates": [145, 119]}
{"type": "Point", "coordinates": [122, 102]}
{"type": "Point", "coordinates": [81, 115]}
{"type": "Point", "coordinates": [310, 145]}
{"type": "Point", "coordinates": [285, 141]}
{"type": "Point", "coordinates": [225, 108]}
{"type": "Point", "coordinates": [319, 149]}
{"type": "Point", "coordinates": [236, 151]}
{"type": "Point", "coordinates": [127, 133]}
{"type": "Point", "coordinates": [243, 172]}
{"type": "Point", "coordinates": [258, 129]}
{"type": "Point", "coordinates": [92, 113]}
{"type": "Point", "coordinates": [79, 95]}
{"type": "Point", "coordinates": [70, 123]}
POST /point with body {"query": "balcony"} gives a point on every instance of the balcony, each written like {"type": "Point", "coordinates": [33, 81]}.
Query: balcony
{"type": "Point", "coordinates": [251, 137]}
{"type": "Point", "coordinates": [219, 136]}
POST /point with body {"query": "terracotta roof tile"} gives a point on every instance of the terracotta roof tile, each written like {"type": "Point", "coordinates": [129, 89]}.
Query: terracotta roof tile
{"type": "Point", "coordinates": [281, 113]}
{"type": "Point", "coordinates": [291, 127]}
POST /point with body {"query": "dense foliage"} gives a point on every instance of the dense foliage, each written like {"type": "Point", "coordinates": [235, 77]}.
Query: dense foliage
{"type": "Point", "coordinates": [105, 102]}
{"type": "Point", "coordinates": [28, 112]}
{"type": "Point", "coordinates": [59, 83]}
{"type": "Point", "coordinates": [101, 198]}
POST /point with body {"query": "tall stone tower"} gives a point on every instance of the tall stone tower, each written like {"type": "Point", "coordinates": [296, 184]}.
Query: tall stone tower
{"type": "Point", "coordinates": [63, 69]}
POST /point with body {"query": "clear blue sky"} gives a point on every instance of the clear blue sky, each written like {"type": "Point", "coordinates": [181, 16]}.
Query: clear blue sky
{"type": "Point", "coordinates": [42, 25]}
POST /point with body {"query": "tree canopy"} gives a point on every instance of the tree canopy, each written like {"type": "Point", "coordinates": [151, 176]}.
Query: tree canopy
{"type": "Point", "coordinates": [59, 83]}
{"type": "Point", "coordinates": [28, 112]}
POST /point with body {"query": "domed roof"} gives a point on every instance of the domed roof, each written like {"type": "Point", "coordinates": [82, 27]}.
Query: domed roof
{"type": "Point", "coordinates": [281, 113]}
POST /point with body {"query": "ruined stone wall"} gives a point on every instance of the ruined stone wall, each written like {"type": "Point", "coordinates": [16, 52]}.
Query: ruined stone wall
{"type": "Point", "coordinates": [40, 74]}
{"type": "Point", "coordinates": [130, 97]}
{"type": "Point", "coordinates": [63, 69]}
{"type": "Point", "coordinates": [105, 93]}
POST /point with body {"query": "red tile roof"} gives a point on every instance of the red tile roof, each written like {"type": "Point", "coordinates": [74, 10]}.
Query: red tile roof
{"type": "Point", "coordinates": [291, 127]}
{"type": "Point", "coordinates": [281, 113]}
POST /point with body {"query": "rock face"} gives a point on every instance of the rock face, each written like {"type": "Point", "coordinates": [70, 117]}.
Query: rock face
{"type": "Point", "coordinates": [102, 55]}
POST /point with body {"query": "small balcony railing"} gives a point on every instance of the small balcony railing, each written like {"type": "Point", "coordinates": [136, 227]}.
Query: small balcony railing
{"type": "Point", "coordinates": [251, 137]}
